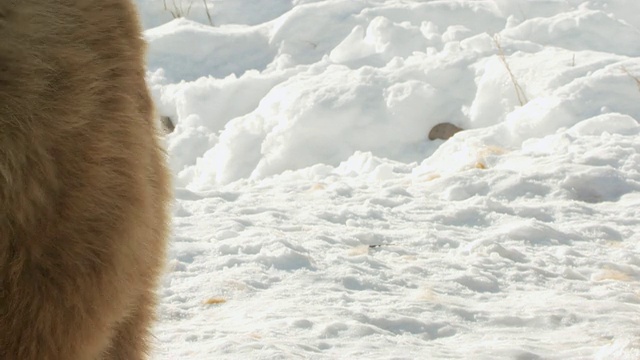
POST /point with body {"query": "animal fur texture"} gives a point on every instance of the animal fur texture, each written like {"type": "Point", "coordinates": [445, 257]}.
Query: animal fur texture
{"type": "Point", "coordinates": [84, 189]}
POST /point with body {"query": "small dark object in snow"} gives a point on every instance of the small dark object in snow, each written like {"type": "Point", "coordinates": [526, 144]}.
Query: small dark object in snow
{"type": "Point", "coordinates": [443, 131]}
{"type": "Point", "coordinates": [374, 246]}
{"type": "Point", "coordinates": [167, 124]}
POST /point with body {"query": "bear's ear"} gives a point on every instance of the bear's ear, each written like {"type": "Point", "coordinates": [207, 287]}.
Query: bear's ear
{"type": "Point", "coordinates": [443, 131]}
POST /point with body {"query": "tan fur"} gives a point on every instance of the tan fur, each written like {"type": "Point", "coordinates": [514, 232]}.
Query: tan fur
{"type": "Point", "coordinates": [83, 186]}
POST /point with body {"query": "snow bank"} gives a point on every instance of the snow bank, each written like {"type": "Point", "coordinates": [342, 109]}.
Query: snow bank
{"type": "Point", "coordinates": [315, 219]}
{"type": "Point", "coordinates": [294, 85]}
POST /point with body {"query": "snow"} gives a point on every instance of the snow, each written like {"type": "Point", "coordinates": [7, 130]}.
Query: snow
{"type": "Point", "coordinates": [314, 218]}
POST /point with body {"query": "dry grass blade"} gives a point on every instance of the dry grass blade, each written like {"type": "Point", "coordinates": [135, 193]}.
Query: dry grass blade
{"type": "Point", "coordinates": [634, 77]}
{"type": "Point", "coordinates": [206, 9]}
{"type": "Point", "coordinates": [215, 301]}
{"type": "Point", "coordinates": [177, 10]}
{"type": "Point", "coordinates": [522, 97]}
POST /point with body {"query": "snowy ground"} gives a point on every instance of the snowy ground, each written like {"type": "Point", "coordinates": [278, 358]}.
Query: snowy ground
{"type": "Point", "coordinates": [314, 218]}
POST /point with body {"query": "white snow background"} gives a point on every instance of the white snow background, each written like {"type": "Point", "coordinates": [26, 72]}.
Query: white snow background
{"type": "Point", "coordinates": [315, 220]}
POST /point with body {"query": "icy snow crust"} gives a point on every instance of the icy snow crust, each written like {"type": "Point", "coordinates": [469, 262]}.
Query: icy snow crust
{"type": "Point", "coordinates": [314, 218]}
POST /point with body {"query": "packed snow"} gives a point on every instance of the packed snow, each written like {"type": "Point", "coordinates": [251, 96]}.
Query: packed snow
{"type": "Point", "coordinates": [314, 218]}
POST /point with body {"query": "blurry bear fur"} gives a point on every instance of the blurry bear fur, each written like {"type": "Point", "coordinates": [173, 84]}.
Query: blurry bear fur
{"type": "Point", "coordinates": [84, 190]}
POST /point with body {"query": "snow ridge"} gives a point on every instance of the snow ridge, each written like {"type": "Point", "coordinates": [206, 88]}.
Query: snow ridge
{"type": "Point", "coordinates": [315, 219]}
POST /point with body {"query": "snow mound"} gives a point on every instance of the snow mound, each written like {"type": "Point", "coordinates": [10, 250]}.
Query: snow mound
{"type": "Point", "coordinates": [281, 92]}
{"type": "Point", "coordinates": [314, 217]}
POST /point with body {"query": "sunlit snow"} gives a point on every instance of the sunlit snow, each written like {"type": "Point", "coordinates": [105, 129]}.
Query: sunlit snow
{"type": "Point", "coordinates": [315, 219]}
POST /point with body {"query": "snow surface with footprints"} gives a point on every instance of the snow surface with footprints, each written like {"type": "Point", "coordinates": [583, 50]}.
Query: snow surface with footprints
{"type": "Point", "coordinates": [315, 220]}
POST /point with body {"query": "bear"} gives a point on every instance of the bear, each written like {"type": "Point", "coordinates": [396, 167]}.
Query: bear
{"type": "Point", "coordinates": [84, 187]}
